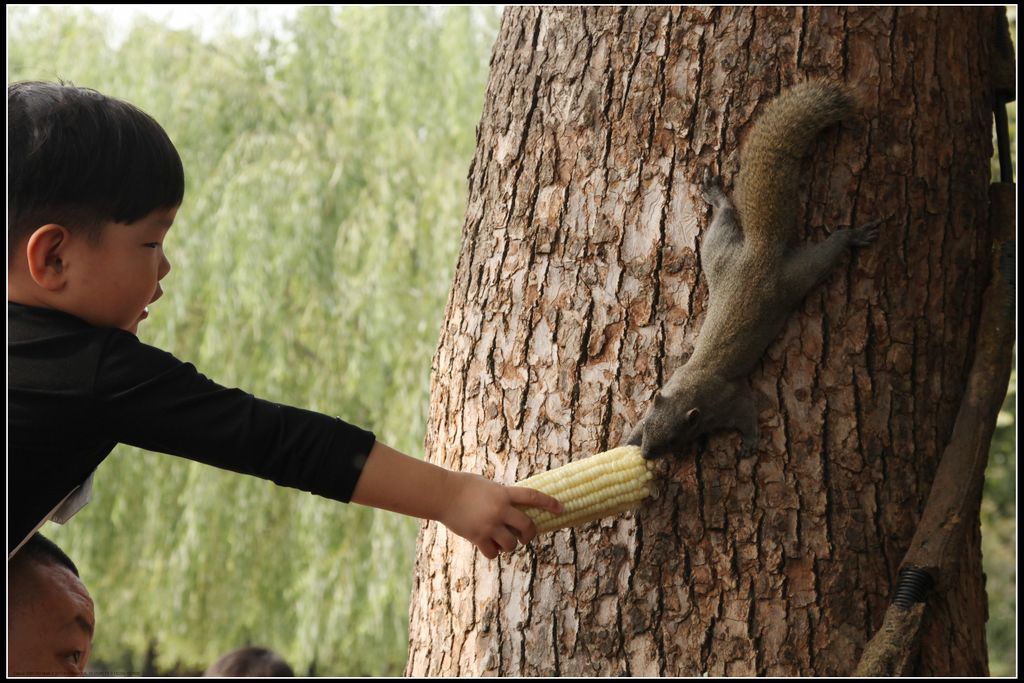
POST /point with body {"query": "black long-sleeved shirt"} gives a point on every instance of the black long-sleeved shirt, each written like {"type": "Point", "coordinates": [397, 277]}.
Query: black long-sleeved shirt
{"type": "Point", "coordinates": [75, 391]}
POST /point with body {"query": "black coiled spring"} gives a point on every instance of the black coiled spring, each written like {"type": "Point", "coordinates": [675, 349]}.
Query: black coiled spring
{"type": "Point", "coordinates": [912, 587]}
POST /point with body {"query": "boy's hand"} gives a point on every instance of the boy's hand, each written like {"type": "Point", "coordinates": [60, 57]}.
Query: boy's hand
{"type": "Point", "coordinates": [485, 512]}
{"type": "Point", "coordinates": [475, 508]}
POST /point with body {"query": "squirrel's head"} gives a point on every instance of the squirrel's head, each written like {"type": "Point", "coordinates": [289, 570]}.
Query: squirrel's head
{"type": "Point", "coordinates": [671, 425]}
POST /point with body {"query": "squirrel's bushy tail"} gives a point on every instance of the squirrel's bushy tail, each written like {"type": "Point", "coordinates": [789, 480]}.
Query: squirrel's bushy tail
{"type": "Point", "coordinates": [766, 188]}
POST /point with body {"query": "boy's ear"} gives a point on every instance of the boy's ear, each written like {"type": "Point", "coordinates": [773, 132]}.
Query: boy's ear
{"type": "Point", "coordinates": [46, 250]}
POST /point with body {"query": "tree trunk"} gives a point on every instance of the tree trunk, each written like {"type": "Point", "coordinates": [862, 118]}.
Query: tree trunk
{"type": "Point", "coordinates": [579, 290]}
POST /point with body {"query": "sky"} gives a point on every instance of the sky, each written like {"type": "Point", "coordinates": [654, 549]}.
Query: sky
{"type": "Point", "coordinates": [207, 20]}
{"type": "Point", "coordinates": [204, 18]}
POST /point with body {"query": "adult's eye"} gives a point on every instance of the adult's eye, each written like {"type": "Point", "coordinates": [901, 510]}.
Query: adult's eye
{"type": "Point", "coordinates": [75, 659]}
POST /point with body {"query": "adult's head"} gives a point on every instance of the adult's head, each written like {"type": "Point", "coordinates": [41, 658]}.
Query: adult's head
{"type": "Point", "coordinates": [50, 618]}
{"type": "Point", "coordinates": [250, 661]}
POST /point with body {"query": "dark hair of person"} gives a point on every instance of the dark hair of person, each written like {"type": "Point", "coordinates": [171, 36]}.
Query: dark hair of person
{"type": "Point", "coordinates": [41, 550]}
{"type": "Point", "coordinates": [78, 158]}
{"type": "Point", "coordinates": [250, 661]}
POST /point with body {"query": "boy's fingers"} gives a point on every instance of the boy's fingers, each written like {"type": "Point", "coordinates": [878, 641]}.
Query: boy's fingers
{"type": "Point", "coordinates": [534, 499]}
{"type": "Point", "coordinates": [505, 539]}
{"type": "Point", "coordinates": [521, 525]}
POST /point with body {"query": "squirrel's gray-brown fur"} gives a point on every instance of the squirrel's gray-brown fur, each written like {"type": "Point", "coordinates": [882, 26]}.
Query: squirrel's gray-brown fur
{"type": "Point", "coordinates": [755, 279]}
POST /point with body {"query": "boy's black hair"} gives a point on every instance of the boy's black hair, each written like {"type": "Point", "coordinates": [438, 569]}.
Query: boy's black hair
{"type": "Point", "coordinates": [41, 550]}
{"type": "Point", "coordinates": [79, 158]}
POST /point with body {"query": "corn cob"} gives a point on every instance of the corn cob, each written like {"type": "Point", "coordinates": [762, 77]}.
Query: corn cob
{"type": "Point", "coordinates": [599, 486]}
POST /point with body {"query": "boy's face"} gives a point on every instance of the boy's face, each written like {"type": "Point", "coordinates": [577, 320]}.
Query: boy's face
{"type": "Point", "coordinates": [113, 281]}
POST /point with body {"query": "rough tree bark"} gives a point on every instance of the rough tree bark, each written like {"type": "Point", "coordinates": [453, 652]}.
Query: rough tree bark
{"type": "Point", "coordinates": [579, 289]}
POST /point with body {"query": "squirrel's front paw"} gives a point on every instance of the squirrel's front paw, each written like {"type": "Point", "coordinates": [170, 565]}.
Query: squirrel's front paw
{"type": "Point", "coordinates": [748, 447]}
{"type": "Point", "coordinates": [711, 188]}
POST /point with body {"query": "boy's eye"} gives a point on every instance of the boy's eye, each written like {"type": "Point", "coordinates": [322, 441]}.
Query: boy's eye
{"type": "Point", "coordinates": [152, 245]}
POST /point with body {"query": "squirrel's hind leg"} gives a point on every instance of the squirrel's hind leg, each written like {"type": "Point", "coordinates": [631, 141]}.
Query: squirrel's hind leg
{"type": "Point", "coordinates": [723, 238]}
{"type": "Point", "coordinates": [806, 268]}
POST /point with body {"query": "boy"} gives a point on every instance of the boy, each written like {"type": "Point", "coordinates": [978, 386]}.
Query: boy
{"type": "Point", "coordinates": [93, 188]}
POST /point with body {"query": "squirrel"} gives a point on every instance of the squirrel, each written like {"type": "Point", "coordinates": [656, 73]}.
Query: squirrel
{"type": "Point", "coordinates": [755, 279]}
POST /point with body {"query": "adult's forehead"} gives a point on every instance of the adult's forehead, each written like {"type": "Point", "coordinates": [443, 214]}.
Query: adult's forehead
{"type": "Point", "coordinates": [67, 584]}
{"type": "Point", "coordinates": [50, 584]}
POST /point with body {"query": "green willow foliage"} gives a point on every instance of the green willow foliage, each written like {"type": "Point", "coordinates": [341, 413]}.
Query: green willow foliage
{"type": "Point", "coordinates": [311, 262]}
{"type": "Point", "coordinates": [999, 538]}
{"type": "Point", "coordinates": [998, 503]}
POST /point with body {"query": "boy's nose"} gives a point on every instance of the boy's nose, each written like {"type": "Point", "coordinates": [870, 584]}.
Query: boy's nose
{"type": "Point", "coordinates": [165, 267]}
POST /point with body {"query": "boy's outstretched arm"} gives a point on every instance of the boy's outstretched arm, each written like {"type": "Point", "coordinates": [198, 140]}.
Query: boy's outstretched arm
{"type": "Point", "coordinates": [478, 509]}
